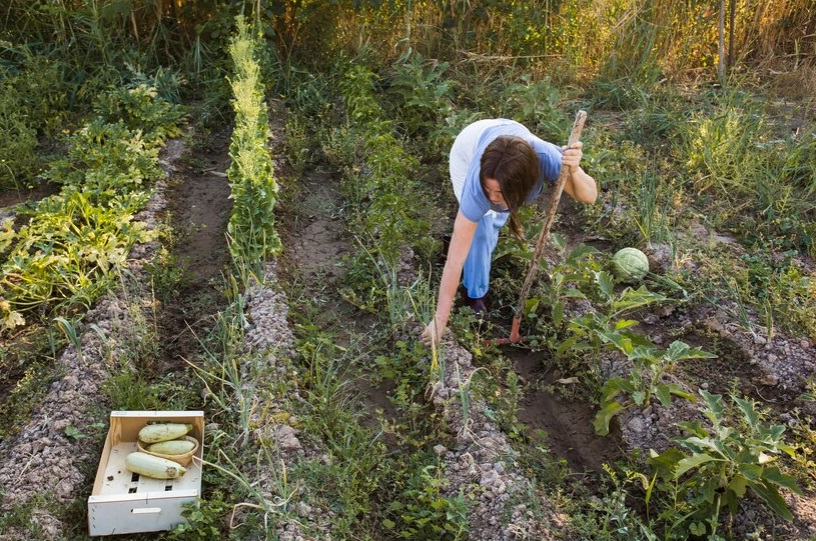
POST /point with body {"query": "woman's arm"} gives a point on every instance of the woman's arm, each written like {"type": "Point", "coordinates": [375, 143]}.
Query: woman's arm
{"type": "Point", "coordinates": [580, 186]}
{"type": "Point", "coordinates": [463, 231]}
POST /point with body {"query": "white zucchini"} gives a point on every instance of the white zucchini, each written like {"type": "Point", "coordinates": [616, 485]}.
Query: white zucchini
{"type": "Point", "coordinates": [164, 432]}
{"type": "Point", "coordinates": [172, 447]}
{"type": "Point", "coordinates": [153, 466]}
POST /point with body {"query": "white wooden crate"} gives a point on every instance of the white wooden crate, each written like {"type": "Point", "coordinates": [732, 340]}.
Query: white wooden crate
{"type": "Point", "coordinates": [123, 502]}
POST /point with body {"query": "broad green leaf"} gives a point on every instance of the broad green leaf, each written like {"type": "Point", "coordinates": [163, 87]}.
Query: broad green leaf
{"type": "Point", "coordinates": [630, 299]}
{"type": "Point", "coordinates": [611, 389]}
{"type": "Point", "coordinates": [710, 488]}
{"type": "Point", "coordinates": [787, 449]}
{"type": "Point", "coordinates": [663, 394]}
{"type": "Point", "coordinates": [604, 417]}
{"type": "Point", "coordinates": [644, 352]}
{"type": "Point", "coordinates": [771, 496]}
{"type": "Point", "coordinates": [579, 252]}
{"type": "Point", "coordinates": [738, 485]}
{"type": "Point", "coordinates": [772, 432]}
{"type": "Point", "coordinates": [694, 461]}
{"type": "Point", "coordinates": [666, 462]}
{"type": "Point", "coordinates": [676, 350]}
{"type": "Point", "coordinates": [678, 390]}
{"type": "Point", "coordinates": [557, 314]}
{"type": "Point", "coordinates": [715, 410]}
{"type": "Point", "coordinates": [620, 341]}
{"type": "Point", "coordinates": [712, 444]}
{"type": "Point", "coordinates": [749, 413]}
{"type": "Point", "coordinates": [752, 472]}
{"type": "Point", "coordinates": [774, 475]}
{"type": "Point", "coordinates": [729, 501]}
{"type": "Point", "coordinates": [605, 283]}
{"type": "Point", "coordinates": [572, 293]}
{"type": "Point", "coordinates": [626, 384]}
{"type": "Point", "coordinates": [531, 305]}
{"type": "Point", "coordinates": [639, 397]}
{"type": "Point", "coordinates": [624, 324]}
{"type": "Point", "coordinates": [679, 351]}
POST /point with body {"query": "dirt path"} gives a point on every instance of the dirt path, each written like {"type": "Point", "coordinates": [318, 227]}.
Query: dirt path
{"type": "Point", "coordinates": [12, 196]}
{"type": "Point", "coordinates": [315, 234]}
{"type": "Point", "coordinates": [198, 209]}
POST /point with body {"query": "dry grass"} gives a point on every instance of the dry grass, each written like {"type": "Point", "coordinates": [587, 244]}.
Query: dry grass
{"type": "Point", "coordinates": [796, 83]}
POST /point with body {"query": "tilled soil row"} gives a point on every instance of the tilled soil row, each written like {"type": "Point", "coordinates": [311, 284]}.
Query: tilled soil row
{"type": "Point", "coordinates": [483, 465]}
{"type": "Point", "coordinates": [269, 346]}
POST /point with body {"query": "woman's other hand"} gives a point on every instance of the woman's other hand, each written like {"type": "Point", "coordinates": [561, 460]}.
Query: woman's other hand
{"type": "Point", "coordinates": [572, 154]}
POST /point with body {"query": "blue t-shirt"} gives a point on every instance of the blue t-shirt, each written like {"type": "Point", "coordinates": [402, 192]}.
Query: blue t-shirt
{"type": "Point", "coordinates": [474, 204]}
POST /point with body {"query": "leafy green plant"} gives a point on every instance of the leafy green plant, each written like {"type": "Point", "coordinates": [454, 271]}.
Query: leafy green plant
{"type": "Point", "coordinates": [18, 141]}
{"type": "Point", "coordinates": [252, 182]}
{"type": "Point", "coordinates": [424, 512]}
{"type": "Point", "coordinates": [644, 380]}
{"type": "Point", "coordinates": [204, 519]}
{"type": "Point", "coordinates": [141, 108]}
{"type": "Point", "coordinates": [606, 328]}
{"type": "Point", "coordinates": [421, 91]}
{"type": "Point", "coordinates": [564, 282]}
{"type": "Point", "coordinates": [718, 466]}
{"type": "Point", "coordinates": [68, 253]}
{"type": "Point", "coordinates": [78, 240]}
{"type": "Point", "coordinates": [533, 102]}
{"type": "Point", "coordinates": [594, 329]}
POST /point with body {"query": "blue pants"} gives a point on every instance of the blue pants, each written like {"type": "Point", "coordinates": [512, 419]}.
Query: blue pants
{"type": "Point", "coordinates": [476, 273]}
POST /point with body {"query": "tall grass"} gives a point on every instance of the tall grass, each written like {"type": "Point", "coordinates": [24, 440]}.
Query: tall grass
{"type": "Point", "coordinates": [647, 38]}
{"type": "Point", "coordinates": [650, 38]}
{"type": "Point", "coordinates": [753, 173]}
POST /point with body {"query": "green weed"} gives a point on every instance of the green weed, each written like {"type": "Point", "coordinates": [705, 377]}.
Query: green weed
{"type": "Point", "coordinates": [644, 381]}
{"type": "Point", "coordinates": [423, 511]}
{"type": "Point", "coordinates": [718, 467]}
{"type": "Point", "coordinates": [420, 92]}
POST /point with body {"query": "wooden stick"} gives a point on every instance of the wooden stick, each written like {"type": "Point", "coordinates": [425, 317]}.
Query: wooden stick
{"type": "Point", "coordinates": [544, 235]}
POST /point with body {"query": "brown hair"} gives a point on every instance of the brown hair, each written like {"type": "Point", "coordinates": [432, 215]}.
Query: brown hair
{"type": "Point", "coordinates": [513, 163]}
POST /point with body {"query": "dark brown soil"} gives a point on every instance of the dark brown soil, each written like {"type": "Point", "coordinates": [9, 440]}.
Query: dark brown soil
{"type": "Point", "coordinates": [568, 423]}
{"type": "Point", "coordinates": [199, 209]}
{"type": "Point", "coordinates": [11, 196]}
{"type": "Point", "coordinates": [315, 242]}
